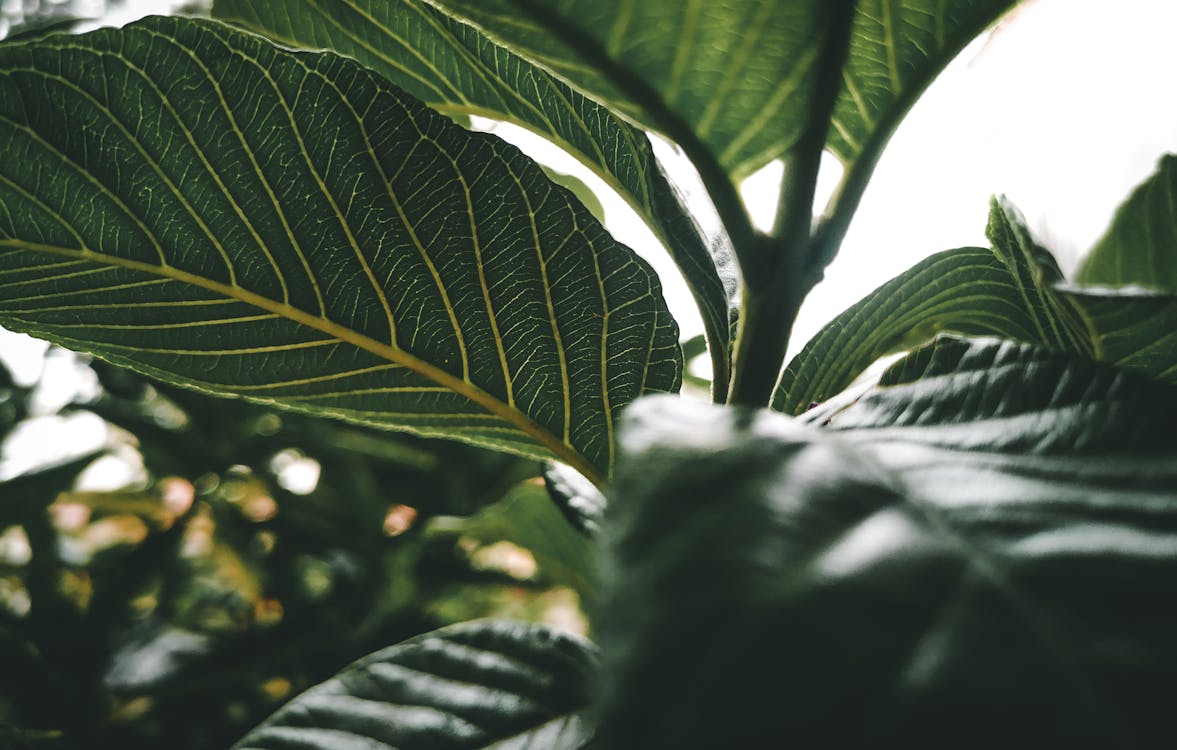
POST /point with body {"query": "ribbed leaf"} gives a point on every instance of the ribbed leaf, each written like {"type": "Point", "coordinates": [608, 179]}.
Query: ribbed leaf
{"type": "Point", "coordinates": [458, 71]}
{"type": "Point", "coordinates": [474, 685]}
{"type": "Point", "coordinates": [896, 48]}
{"type": "Point", "coordinates": [1013, 291]}
{"type": "Point", "coordinates": [1140, 247]}
{"type": "Point", "coordinates": [192, 202]}
{"type": "Point", "coordinates": [741, 73]}
{"type": "Point", "coordinates": [992, 534]}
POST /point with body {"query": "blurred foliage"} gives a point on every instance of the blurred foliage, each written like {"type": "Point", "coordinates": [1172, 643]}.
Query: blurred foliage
{"type": "Point", "coordinates": [255, 554]}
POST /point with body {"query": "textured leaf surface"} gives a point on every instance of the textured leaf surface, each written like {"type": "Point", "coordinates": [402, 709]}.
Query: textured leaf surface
{"type": "Point", "coordinates": [741, 73]}
{"type": "Point", "coordinates": [991, 534]}
{"type": "Point", "coordinates": [457, 70]}
{"type": "Point", "coordinates": [1140, 247]}
{"type": "Point", "coordinates": [896, 48]}
{"type": "Point", "coordinates": [192, 202]}
{"type": "Point", "coordinates": [474, 685]}
{"type": "Point", "coordinates": [1015, 290]}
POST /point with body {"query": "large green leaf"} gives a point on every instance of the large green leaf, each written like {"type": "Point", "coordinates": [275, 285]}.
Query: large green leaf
{"type": "Point", "coordinates": [474, 685]}
{"type": "Point", "coordinates": [742, 73]}
{"type": "Point", "coordinates": [992, 535]}
{"type": "Point", "coordinates": [458, 71]}
{"type": "Point", "coordinates": [739, 74]}
{"type": "Point", "coordinates": [1140, 247]}
{"type": "Point", "coordinates": [192, 202]}
{"type": "Point", "coordinates": [1015, 290]}
{"type": "Point", "coordinates": [897, 48]}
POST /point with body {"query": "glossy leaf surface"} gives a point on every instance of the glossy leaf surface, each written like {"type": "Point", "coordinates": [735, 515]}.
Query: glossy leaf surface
{"type": "Point", "coordinates": [995, 527]}
{"type": "Point", "coordinates": [474, 685]}
{"type": "Point", "coordinates": [459, 71]}
{"type": "Point", "coordinates": [187, 200]}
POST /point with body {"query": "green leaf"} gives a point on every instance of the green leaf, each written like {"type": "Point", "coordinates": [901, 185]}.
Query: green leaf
{"type": "Point", "coordinates": [896, 50]}
{"type": "Point", "coordinates": [740, 74]}
{"type": "Point", "coordinates": [474, 685]}
{"type": "Point", "coordinates": [1140, 247]}
{"type": "Point", "coordinates": [194, 203]}
{"type": "Point", "coordinates": [1015, 291]}
{"type": "Point", "coordinates": [989, 535]}
{"type": "Point", "coordinates": [458, 71]}
{"type": "Point", "coordinates": [576, 497]}
{"type": "Point", "coordinates": [528, 518]}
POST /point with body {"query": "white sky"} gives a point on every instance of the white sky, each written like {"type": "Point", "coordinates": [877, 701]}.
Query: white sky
{"type": "Point", "coordinates": [1065, 108]}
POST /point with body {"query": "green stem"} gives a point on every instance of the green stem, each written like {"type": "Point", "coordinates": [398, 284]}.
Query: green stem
{"type": "Point", "coordinates": [774, 268]}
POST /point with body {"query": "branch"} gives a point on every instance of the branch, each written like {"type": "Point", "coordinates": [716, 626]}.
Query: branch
{"type": "Point", "coordinates": [774, 277]}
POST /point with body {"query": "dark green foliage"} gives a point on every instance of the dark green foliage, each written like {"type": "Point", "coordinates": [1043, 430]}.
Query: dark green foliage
{"type": "Point", "coordinates": [980, 548]}
{"type": "Point", "coordinates": [193, 633]}
{"type": "Point", "coordinates": [293, 229]}
{"type": "Point", "coordinates": [466, 686]}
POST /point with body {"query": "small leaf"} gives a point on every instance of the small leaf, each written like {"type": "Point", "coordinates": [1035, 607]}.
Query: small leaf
{"type": "Point", "coordinates": [194, 203]}
{"type": "Point", "coordinates": [989, 534]}
{"type": "Point", "coordinates": [474, 685]}
{"type": "Point", "coordinates": [1014, 291]}
{"type": "Point", "coordinates": [1140, 247]}
{"type": "Point", "coordinates": [459, 71]}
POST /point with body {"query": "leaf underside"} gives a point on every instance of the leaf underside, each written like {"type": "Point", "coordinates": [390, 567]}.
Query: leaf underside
{"type": "Point", "coordinates": [474, 685]}
{"type": "Point", "coordinates": [458, 71]}
{"type": "Point", "coordinates": [192, 202]}
{"type": "Point", "coordinates": [742, 74]}
{"type": "Point", "coordinates": [992, 533]}
{"type": "Point", "coordinates": [1015, 290]}
{"type": "Point", "coordinates": [896, 49]}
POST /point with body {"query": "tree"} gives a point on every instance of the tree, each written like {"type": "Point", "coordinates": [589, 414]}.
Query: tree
{"type": "Point", "coordinates": [990, 525]}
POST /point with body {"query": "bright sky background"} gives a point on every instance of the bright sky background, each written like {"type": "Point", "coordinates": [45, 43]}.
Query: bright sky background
{"type": "Point", "coordinates": [1064, 108]}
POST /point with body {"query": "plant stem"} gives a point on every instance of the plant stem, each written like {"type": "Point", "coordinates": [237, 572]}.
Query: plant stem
{"type": "Point", "coordinates": [775, 279]}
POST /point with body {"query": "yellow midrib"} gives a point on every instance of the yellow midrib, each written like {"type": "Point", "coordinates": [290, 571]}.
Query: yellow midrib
{"type": "Point", "coordinates": [518, 419]}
